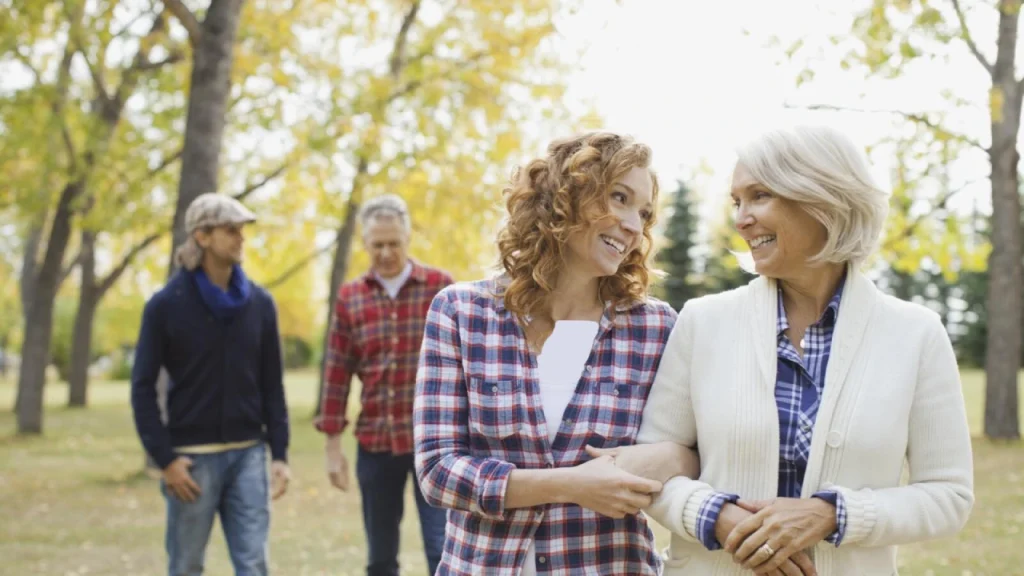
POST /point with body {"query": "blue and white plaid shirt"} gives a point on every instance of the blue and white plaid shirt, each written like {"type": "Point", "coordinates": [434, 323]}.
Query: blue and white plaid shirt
{"type": "Point", "coordinates": [799, 385]}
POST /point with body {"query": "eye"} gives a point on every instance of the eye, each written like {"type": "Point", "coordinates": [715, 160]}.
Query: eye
{"type": "Point", "coordinates": [646, 215]}
{"type": "Point", "coordinates": [762, 195]}
{"type": "Point", "coordinates": [619, 197]}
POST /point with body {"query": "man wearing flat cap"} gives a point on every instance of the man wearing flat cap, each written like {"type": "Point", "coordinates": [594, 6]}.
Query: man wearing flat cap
{"type": "Point", "coordinates": [215, 333]}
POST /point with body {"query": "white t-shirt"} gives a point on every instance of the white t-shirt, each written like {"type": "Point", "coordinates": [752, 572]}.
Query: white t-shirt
{"type": "Point", "coordinates": [393, 285]}
{"type": "Point", "coordinates": [559, 367]}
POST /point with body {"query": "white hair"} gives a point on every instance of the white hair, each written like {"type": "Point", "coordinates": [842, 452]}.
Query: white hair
{"type": "Point", "coordinates": [820, 168]}
{"type": "Point", "coordinates": [386, 206]}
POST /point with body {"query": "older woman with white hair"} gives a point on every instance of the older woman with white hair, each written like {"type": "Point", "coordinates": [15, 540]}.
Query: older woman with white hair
{"type": "Point", "coordinates": [806, 391]}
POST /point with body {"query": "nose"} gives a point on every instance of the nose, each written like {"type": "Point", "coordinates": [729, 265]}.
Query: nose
{"type": "Point", "coordinates": [633, 223]}
{"type": "Point", "coordinates": [744, 219]}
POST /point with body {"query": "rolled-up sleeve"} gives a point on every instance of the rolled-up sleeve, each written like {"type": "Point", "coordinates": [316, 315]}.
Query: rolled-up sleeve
{"type": "Point", "coordinates": [448, 476]}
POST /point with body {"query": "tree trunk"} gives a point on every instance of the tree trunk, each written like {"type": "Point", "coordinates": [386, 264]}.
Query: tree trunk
{"type": "Point", "coordinates": [1003, 353]}
{"type": "Point", "coordinates": [207, 110]}
{"type": "Point", "coordinates": [35, 349]}
{"type": "Point", "coordinates": [29, 263]}
{"type": "Point", "coordinates": [339, 267]}
{"type": "Point", "coordinates": [81, 335]}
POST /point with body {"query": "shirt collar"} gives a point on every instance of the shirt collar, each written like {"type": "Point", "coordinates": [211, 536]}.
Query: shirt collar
{"type": "Point", "coordinates": [828, 317]}
{"type": "Point", "coordinates": [499, 283]}
{"type": "Point", "coordinates": [417, 273]}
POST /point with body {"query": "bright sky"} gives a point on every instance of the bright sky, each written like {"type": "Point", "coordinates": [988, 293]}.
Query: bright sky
{"type": "Point", "coordinates": [693, 78]}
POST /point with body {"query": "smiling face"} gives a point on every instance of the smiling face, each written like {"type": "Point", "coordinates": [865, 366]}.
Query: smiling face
{"type": "Point", "coordinates": [601, 247]}
{"type": "Point", "coordinates": [781, 235]}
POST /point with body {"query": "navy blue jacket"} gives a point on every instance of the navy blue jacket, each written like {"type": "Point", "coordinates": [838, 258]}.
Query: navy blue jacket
{"type": "Point", "coordinates": [226, 377]}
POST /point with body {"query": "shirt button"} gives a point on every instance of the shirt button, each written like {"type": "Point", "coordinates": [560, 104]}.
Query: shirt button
{"type": "Point", "coordinates": [589, 367]}
{"type": "Point", "coordinates": [567, 422]}
{"type": "Point", "coordinates": [494, 389]}
{"type": "Point", "coordinates": [806, 427]}
{"type": "Point", "coordinates": [391, 393]}
{"type": "Point", "coordinates": [394, 340]}
{"type": "Point", "coordinates": [394, 315]}
{"type": "Point", "coordinates": [542, 559]}
{"type": "Point", "coordinates": [394, 365]}
{"type": "Point", "coordinates": [834, 439]}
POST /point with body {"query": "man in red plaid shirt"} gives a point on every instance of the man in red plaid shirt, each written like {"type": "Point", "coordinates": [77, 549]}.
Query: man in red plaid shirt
{"type": "Point", "coordinates": [376, 332]}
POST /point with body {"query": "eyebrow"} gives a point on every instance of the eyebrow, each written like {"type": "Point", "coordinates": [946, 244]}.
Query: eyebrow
{"type": "Point", "coordinates": [631, 192]}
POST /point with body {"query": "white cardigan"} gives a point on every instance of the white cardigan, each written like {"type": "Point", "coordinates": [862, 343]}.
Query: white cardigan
{"type": "Point", "coordinates": [892, 395]}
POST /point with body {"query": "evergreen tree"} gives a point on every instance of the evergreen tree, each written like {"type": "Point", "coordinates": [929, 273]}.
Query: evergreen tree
{"type": "Point", "coordinates": [676, 258]}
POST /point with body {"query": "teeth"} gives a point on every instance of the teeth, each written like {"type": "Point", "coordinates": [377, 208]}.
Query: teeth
{"type": "Point", "coordinates": [760, 241]}
{"type": "Point", "coordinates": [614, 244]}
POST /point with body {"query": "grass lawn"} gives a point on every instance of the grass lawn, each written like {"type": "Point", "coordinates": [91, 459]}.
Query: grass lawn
{"type": "Point", "coordinates": [74, 501]}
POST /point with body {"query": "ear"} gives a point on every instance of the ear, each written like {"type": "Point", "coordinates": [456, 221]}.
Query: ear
{"type": "Point", "coordinates": [201, 237]}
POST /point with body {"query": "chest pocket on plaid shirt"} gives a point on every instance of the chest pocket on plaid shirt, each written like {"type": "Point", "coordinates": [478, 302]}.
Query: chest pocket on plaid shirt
{"type": "Point", "coordinates": [497, 408]}
{"type": "Point", "coordinates": [615, 411]}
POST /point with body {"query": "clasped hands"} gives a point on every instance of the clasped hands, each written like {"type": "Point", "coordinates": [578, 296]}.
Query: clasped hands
{"type": "Point", "coordinates": [768, 537]}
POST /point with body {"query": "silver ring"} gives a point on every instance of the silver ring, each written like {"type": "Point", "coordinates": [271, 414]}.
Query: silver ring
{"type": "Point", "coordinates": [768, 549]}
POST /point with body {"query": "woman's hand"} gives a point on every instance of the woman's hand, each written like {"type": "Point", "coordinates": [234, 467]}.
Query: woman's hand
{"type": "Point", "coordinates": [605, 488]}
{"type": "Point", "coordinates": [731, 515]}
{"type": "Point", "coordinates": [777, 530]}
{"type": "Point", "coordinates": [659, 462]}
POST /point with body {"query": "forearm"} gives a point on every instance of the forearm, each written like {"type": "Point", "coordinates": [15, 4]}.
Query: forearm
{"type": "Point", "coordinates": [334, 404]}
{"type": "Point", "coordinates": [905, 514]}
{"type": "Point", "coordinates": [276, 419]}
{"type": "Point", "coordinates": [145, 405]}
{"type": "Point", "coordinates": [528, 488]}
{"type": "Point", "coordinates": [678, 461]}
{"type": "Point", "coordinates": [152, 432]}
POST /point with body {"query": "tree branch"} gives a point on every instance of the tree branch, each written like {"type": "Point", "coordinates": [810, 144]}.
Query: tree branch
{"type": "Point", "coordinates": [262, 182]}
{"type": "Point", "coordinates": [128, 26]}
{"type": "Point", "coordinates": [60, 98]}
{"type": "Point", "coordinates": [909, 116]}
{"type": "Point", "coordinates": [302, 263]}
{"type": "Point", "coordinates": [398, 51]}
{"type": "Point", "coordinates": [74, 37]}
{"type": "Point", "coordinates": [165, 163]}
{"type": "Point", "coordinates": [126, 261]}
{"type": "Point", "coordinates": [966, 35]}
{"type": "Point", "coordinates": [69, 268]}
{"type": "Point", "coordinates": [97, 80]}
{"type": "Point", "coordinates": [27, 64]}
{"type": "Point", "coordinates": [172, 58]}
{"type": "Point", "coordinates": [415, 84]}
{"type": "Point", "coordinates": [187, 19]}
{"type": "Point", "coordinates": [911, 227]}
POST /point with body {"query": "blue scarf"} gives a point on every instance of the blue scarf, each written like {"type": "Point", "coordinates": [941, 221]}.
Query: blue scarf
{"type": "Point", "coordinates": [224, 304]}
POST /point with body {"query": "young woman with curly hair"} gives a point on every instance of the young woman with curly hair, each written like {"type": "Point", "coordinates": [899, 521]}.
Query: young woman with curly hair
{"type": "Point", "coordinates": [521, 373]}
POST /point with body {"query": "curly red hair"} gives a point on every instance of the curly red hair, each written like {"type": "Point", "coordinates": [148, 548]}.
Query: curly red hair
{"type": "Point", "coordinates": [564, 192]}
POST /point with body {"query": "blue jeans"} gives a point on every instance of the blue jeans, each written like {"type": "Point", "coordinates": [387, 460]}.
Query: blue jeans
{"type": "Point", "coordinates": [382, 478]}
{"type": "Point", "coordinates": [234, 484]}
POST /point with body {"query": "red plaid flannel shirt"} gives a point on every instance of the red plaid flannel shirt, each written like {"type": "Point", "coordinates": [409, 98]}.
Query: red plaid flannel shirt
{"type": "Point", "coordinates": [378, 339]}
